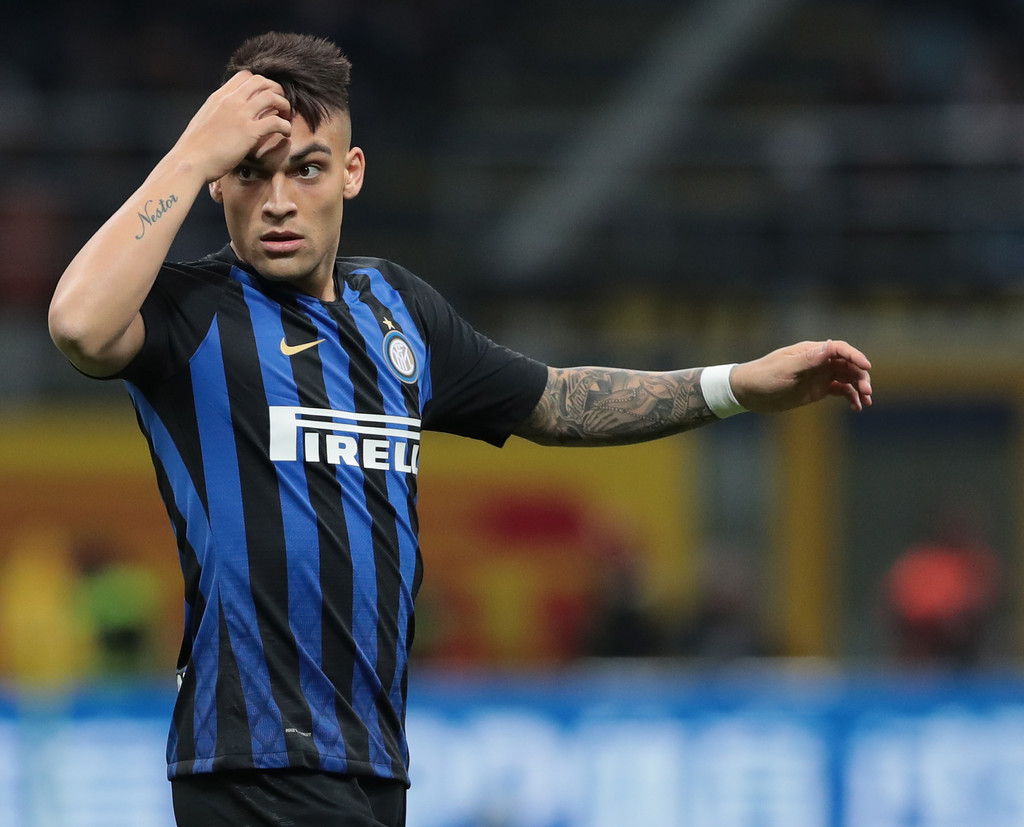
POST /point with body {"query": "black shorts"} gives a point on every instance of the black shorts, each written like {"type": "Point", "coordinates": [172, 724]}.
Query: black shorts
{"type": "Point", "coordinates": [299, 797]}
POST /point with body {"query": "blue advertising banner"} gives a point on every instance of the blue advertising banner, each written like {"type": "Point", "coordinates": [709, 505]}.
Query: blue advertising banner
{"type": "Point", "coordinates": [596, 749]}
{"type": "Point", "coordinates": [761, 749]}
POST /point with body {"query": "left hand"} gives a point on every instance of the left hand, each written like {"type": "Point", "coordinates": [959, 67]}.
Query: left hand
{"type": "Point", "coordinates": [803, 373]}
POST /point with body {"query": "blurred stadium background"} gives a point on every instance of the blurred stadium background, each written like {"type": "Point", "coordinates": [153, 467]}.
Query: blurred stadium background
{"type": "Point", "coordinates": [703, 631]}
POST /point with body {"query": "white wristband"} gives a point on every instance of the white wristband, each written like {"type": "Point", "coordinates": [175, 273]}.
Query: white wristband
{"type": "Point", "coordinates": [717, 390]}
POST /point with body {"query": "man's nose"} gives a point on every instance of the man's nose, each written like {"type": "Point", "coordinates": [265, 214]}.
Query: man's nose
{"type": "Point", "coordinates": [279, 200]}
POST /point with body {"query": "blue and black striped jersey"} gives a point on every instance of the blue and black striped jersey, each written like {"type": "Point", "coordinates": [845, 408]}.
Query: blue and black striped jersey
{"type": "Point", "coordinates": [285, 433]}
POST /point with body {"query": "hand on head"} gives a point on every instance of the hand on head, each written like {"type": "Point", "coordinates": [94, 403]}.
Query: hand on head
{"type": "Point", "coordinates": [248, 115]}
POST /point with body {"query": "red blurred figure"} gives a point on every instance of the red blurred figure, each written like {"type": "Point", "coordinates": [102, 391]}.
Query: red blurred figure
{"type": "Point", "coordinates": [942, 596]}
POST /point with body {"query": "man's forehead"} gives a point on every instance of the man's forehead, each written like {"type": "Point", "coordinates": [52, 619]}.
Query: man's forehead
{"type": "Point", "coordinates": [333, 127]}
{"type": "Point", "coordinates": [332, 135]}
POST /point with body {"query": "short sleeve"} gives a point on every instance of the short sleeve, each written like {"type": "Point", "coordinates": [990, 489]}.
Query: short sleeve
{"type": "Point", "coordinates": [177, 314]}
{"type": "Point", "coordinates": [480, 389]}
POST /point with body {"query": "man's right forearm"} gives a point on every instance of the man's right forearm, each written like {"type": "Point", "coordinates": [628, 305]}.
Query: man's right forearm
{"type": "Point", "coordinates": [94, 312]}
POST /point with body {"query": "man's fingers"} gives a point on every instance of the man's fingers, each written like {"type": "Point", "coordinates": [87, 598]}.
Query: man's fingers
{"type": "Point", "coordinates": [270, 101]}
{"type": "Point", "coordinates": [261, 85]}
{"type": "Point", "coordinates": [237, 79]}
{"type": "Point", "coordinates": [838, 348]}
{"type": "Point", "coordinates": [842, 389]}
{"type": "Point", "coordinates": [858, 400]}
{"type": "Point", "coordinates": [268, 143]}
{"type": "Point", "coordinates": [848, 371]}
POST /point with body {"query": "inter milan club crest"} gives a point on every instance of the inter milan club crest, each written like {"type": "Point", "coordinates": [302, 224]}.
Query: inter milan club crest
{"type": "Point", "coordinates": [401, 358]}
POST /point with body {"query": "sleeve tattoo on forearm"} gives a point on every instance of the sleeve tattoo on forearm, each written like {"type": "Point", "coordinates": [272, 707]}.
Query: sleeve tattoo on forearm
{"type": "Point", "coordinates": [613, 406]}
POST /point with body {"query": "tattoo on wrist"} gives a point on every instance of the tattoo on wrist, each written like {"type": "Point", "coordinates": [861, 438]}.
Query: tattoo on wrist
{"type": "Point", "coordinates": [616, 407]}
{"type": "Point", "coordinates": [153, 211]}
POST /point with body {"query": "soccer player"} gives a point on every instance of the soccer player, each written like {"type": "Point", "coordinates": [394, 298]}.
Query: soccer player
{"type": "Point", "coordinates": [282, 390]}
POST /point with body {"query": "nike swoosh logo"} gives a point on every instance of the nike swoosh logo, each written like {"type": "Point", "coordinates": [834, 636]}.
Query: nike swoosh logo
{"type": "Point", "coordinates": [291, 350]}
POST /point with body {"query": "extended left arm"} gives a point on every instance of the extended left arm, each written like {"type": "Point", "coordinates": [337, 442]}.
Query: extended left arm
{"type": "Point", "coordinates": [616, 406]}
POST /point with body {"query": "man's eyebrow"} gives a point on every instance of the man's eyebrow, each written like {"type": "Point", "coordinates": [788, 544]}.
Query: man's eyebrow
{"type": "Point", "coordinates": [309, 150]}
{"type": "Point", "coordinates": [295, 157]}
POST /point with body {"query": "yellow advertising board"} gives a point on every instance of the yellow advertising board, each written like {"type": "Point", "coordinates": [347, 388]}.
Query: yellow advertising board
{"type": "Point", "coordinates": [520, 544]}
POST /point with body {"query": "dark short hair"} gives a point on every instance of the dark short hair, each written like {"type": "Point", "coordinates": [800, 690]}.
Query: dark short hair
{"type": "Point", "coordinates": [313, 71]}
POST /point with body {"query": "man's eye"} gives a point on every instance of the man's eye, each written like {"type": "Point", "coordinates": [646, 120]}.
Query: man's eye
{"type": "Point", "coordinates": [244, 173]}
{"type": "Point", "coordinates": [309, 171]}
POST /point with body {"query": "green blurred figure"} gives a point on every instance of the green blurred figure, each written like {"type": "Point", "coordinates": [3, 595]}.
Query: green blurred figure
{"type": "Point", "coordinates": [119, 601]}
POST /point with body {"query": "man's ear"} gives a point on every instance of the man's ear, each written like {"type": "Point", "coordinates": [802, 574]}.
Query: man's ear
{"type": "Point", "coordinates": [215, 191]}
{"type": "Point", "coordinates": [355, 167]}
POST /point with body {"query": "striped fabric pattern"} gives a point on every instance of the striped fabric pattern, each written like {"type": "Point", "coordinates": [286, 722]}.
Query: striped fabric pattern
{"type": "Point", "coordinates": [300, 573]}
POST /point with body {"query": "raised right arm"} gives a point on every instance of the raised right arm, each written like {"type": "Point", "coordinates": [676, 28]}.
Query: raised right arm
{"type": "Point", "coordinates": [94, 316]}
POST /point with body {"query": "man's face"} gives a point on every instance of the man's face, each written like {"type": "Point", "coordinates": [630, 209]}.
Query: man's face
{"type": "Point", "coordinates": [283, 210]}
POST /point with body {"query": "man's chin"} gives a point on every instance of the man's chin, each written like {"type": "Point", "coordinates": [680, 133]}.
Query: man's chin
{"type": "Point", "coordinates": [279, 268]}
{"type": "Point", "coordinates": [272, 273]}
